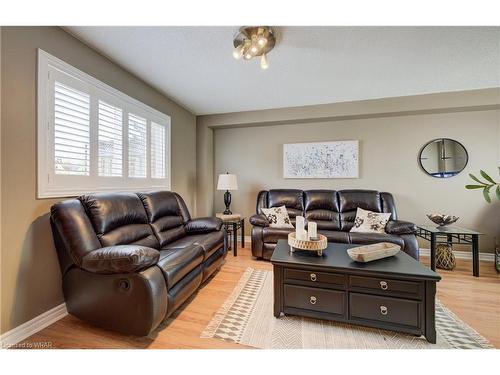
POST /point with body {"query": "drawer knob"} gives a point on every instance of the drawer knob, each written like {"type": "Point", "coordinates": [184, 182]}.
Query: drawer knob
{"type": "Point", "coordinates": [383, 310]}
{"type": "Point", "coordinates": [313, 277]}
{"type": "Point", "coordinates": [383, 285]}
{"type": "Point", "coordinates": [312, 300]}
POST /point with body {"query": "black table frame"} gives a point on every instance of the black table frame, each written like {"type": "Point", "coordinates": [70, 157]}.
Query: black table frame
{"type": "Point", "coordinates": [231, 228]}
{"type": "Point", "coordinates": [451, 238]}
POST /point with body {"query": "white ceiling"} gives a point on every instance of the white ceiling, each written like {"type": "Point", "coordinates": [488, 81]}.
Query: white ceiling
{"type": "Point", "coordinates": [309, 65]}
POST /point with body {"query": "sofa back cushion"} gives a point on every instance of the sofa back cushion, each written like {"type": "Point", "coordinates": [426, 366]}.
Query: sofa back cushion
{"type": "Point", "coordinates": [119, 219]}
{"type": "Point", "coordinates": [167, 214]}
{"type": "Point", "coordinates": [388, 205]}
{"type": "Point", "coordinates": [322, 207]}
{"type": "Point", "coordinates": [350, 200]}
{"type": "Point", "coordinates": [74, 235]}
{"type": "Point", "coordinates": [292, 199]}
{"type": "Point", "coordinates": [332, 210]}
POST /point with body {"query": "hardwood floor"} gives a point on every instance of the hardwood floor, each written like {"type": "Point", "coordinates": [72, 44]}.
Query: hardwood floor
{"type": "Point", "coordinates": [474, 300]}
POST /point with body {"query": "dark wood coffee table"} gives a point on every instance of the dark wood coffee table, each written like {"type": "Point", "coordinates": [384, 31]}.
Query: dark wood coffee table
{"type": "Point", "coordinates": [396, 293]}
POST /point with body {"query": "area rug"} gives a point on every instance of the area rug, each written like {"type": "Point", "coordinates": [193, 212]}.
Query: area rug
{"type": "Point", "coordinates": [246, 317]}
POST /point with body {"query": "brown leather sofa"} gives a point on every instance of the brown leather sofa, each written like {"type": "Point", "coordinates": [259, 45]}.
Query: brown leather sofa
{"type": "Point", "coordinates": [130, 260]}
{"type": "Point", "coordinates": [334, 212]}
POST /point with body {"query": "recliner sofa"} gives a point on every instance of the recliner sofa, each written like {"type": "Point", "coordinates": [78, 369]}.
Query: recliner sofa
{"type": "Point", "coordinates": [129, 260]}
{"type": "Point", "coordinates": [334, 212]}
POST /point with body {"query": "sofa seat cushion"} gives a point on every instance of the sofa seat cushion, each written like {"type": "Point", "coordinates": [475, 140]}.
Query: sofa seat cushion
{"type": "Point", "coordinates": [335, 236]}
{"type": "Point", "coordinates": [209, 242]}
{"type": "Point", "coordinates": [272, 235]}
{"type": "Point", "coordinates": [177, 263]}
{"type": "Point", "coordinates": [179, 243]}
{"type": "Point", "coordinates": [369, 238]}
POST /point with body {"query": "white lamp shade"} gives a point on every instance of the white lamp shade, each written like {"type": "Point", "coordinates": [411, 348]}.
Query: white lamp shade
{"type": "Point", "coordinates": [227, 182]}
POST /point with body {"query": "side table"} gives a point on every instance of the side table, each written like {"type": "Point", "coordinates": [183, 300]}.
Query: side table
{"type": "Point", "coordinates": [451, 235]}
{"type": "Point", "coordinates": [231, 226]}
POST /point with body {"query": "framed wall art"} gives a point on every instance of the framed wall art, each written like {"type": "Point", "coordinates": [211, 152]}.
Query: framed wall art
{"type": "Point", "coordinates": [336, 159]}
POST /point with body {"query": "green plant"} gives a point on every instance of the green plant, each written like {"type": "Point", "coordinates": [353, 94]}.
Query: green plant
{"type": "Point", "coordinates": [486, 186]}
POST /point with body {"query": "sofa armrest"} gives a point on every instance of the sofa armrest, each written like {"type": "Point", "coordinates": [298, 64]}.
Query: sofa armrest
{"type": "Point", "coordinates": [120, 259]}
{"type": "Point", "coordinates": [259, 220]}
{"type": "Point", "coordinates": [400, 227]}
{"type": "Point", "coordinates": [203, 225]}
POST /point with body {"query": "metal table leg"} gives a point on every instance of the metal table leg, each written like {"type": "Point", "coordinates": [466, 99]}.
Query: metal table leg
{"type": "Point", "coordinates": [235, 239]}
{"type": "Point", "coordinates": [475, 255]}
{"type": "Point", "coordinates": [433, 251]}
{"type": "Point", "coordinates": [243, 233]}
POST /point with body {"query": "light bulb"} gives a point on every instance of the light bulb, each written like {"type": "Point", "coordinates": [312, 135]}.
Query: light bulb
{"type": "Point", "coordinates": [238, 52]}
{"type": "Point", "coordinates": [263, 61]}
{"type": "Point", "coordinates": [254, 50]}
{"type": "Point", "coordinates": [262, 41]}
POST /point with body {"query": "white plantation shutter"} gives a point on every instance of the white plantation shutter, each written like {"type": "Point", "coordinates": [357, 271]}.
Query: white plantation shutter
{"type": "Point", "coordinates": [71, 131]}
{"type": "Point", "coordinates": [94, 138]}
{"type": "Point", "coordinates": [110, 140]}
{"type": "Point", "coordinates": [157, 150]}
{"type": "Point", "coordinates": [136, 146]}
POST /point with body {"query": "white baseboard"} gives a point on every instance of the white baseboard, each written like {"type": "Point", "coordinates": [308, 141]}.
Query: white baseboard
{"type": "Point", "coordinates": [33, 326]}
{"type": "Point", "coordinates": [487, 257]}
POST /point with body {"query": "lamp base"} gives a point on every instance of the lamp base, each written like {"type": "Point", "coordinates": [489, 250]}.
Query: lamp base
{"type": "Point", "coordinates": [227, 202]}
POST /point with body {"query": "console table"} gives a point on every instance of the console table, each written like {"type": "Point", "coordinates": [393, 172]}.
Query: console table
{"type": "Point", "coordinates": [395, 293]}
{"type": "Point", "coordinates": [451, 235]}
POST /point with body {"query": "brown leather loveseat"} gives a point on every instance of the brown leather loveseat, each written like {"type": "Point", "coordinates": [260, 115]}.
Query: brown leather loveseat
{"type": "Point", "coordinates": [129, 260]}
{"type": "Point", "coordinates": [334, 212]}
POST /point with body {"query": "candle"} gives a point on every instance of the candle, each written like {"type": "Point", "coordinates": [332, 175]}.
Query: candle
{"type": "Point", "coordinates": [299, 227]}
{"type": "Point", "coordinates": [312, 231]}
{"type": "Point", "coordinates": [303, 235]}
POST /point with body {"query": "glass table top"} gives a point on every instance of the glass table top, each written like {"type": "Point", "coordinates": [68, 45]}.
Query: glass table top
{"type": "Point", "coordinates": [449, 229]}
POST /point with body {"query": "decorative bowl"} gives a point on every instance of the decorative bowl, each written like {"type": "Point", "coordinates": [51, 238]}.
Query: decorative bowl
{"type": "Point", "coordinates": [442, 220]}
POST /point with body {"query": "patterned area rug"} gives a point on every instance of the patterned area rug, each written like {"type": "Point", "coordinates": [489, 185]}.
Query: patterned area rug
{"type": "Point", "coordinates": [246, 317]}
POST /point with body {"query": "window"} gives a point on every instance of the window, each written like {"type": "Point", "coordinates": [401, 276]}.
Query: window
{"type": "Point", "coordinates": [157, 151]}
{"type": "Point", "coordinates": [110, 140]}
{"type": "Point", "coordinates": [93, 138]}
{"type": "Point", "coordinates": [136, 146]}
{"type": "Point", "coordinates": [71, 131]}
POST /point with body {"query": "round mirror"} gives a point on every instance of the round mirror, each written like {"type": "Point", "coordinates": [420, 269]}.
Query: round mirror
{"type": "Point", "coordinates": [443, 158]}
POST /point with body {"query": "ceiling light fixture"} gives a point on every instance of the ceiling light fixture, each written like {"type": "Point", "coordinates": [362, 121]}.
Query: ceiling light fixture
{"type": "Point", "coordinates": [253, 41]}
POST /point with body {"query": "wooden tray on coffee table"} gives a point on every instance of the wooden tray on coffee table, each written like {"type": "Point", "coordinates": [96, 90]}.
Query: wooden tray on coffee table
{"type": "Point", "coordinates": [368, 253]}
{"type": "Point", "coordinates": [306, 245]}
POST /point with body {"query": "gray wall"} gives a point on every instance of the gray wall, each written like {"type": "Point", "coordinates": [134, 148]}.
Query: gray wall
{"type": "Point", "coordinates": [388, 162]}
{"type": "Point", "coordinates": [31, 281]}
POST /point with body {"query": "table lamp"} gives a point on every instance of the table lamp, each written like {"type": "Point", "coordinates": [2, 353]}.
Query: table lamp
{"type": "Point", "coordinates": [227, 182]}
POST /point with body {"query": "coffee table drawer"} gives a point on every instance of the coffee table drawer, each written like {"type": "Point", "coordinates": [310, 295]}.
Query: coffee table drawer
{"type": "Point", "coordinates": [384, 309]}
{"type": "Point", "coordinates": [316, 299]}
{"type": "Point", "coordinates": [410, 288]}
{"type": "Point", "coordinates": [316, 277]}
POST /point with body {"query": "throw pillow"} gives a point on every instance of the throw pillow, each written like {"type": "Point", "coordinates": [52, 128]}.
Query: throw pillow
{"type": "Point", "coordinates": [277, 217]}
{"type": "Point", "coordinates": [370, 222]}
